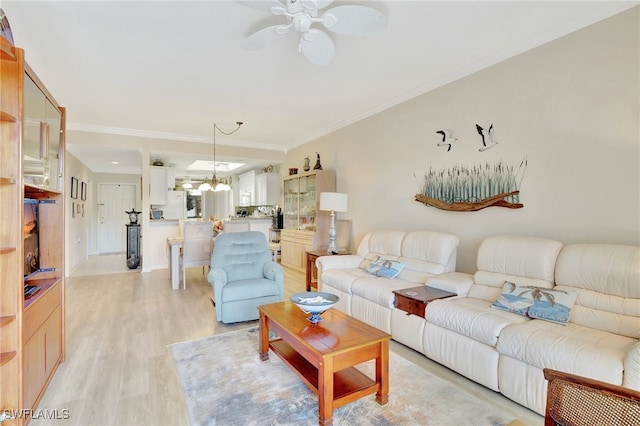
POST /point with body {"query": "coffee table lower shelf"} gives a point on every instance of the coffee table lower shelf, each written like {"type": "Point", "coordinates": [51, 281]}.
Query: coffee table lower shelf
{"type": "Point", "coordinates": [349, 384]}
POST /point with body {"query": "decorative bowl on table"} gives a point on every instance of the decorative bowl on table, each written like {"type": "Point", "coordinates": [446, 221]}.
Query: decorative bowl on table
{"type": "Point", "coordinates": [314, 303]}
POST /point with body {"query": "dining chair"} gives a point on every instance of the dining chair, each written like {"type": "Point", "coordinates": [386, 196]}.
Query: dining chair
{"type": "Point", "coordinates": [196, 247]}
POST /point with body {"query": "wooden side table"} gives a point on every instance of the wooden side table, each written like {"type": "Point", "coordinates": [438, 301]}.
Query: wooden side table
{"type": "Point", "coordinates": [312, 271]}
{"type": "Point", "coordinates": [414, 300]}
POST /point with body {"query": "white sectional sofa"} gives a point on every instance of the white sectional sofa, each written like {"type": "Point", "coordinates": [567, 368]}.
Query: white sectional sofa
{"type": "Point", "coordinates": [600, 341]}
{"type": "Point", "coordinates": [502, 350]}
{"type": "Point", "coordinates": [370, 298]}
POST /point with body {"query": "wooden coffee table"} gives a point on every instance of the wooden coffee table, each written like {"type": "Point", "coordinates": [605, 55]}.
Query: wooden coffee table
{"type": "Point", "coordinates": [323, 355]}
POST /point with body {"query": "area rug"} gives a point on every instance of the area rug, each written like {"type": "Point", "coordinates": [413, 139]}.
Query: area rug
{"type": "Point", "coordinates": [225, 383]}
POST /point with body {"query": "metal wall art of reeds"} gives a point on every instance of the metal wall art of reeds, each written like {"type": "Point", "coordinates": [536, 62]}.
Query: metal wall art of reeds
{"type": "Point", "coordinates": [464, 188]}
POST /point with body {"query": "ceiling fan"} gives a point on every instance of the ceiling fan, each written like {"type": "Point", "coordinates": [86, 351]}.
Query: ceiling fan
{"type": "Point", "coordinates": [313, 43]}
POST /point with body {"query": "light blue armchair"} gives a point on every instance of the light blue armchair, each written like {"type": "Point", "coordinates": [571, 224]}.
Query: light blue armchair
{"type": "Point", "coordinates": [243, 276]}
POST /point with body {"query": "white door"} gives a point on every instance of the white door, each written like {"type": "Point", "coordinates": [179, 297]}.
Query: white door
{"type": "Point", "coordinates": [115, 200]}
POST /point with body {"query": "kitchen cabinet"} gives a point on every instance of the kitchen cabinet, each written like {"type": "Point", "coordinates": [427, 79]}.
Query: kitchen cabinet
{"type": "Point", "coordinates": [158, 186]}
{"type": "Point", "coordinates": [268, 189]}
{"type": "Point", "coordinates": [306, 227]}
{"type": "Point", "coordinates": [247, 189]}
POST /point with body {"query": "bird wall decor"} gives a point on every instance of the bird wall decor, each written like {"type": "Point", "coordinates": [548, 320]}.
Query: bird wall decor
{"type": "Point", "coordinates": [447, 138]}
{"type": "Point", "coordinates": [487, 137]}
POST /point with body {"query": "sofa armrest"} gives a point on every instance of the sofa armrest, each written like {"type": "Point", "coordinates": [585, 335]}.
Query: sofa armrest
{"type": "Point", "coordinates": [455, 282]}
{"type": "Point", "coordinates": [346, 261]}
{"type": "Point", "coordinates": [631, 377]}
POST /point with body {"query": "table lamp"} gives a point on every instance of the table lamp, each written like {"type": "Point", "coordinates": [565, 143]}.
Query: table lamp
{"type": "Point", "coordinates": [333, 202]}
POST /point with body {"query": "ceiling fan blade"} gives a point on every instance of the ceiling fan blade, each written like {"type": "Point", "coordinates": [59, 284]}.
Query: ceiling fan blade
{"type": "Point", "coordinates": [261, 38]}
{"type": "Point", "coordinates": [317, 47]}
{"type": "Point", "coordinates": [264, 5]}
{"type": "Point", "coordinates": [354, 20]}
{"type": "Point", "coordinates": [316, 4]}
{"type": "Point", "coordinates": [323, 3]}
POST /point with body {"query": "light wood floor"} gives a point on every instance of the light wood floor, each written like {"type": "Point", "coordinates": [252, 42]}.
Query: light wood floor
{"type": "Point", "coordinates": [118, 370]}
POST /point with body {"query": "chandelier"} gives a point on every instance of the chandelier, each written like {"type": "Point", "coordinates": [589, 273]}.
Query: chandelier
{"type": "Point", "coordinates": [218, 185]}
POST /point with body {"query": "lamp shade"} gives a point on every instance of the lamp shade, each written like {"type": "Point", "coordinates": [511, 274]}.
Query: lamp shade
{"type": "Point", "coordinates": [333, 201]}
{"type": "Point", "coordinates": [206, 186]}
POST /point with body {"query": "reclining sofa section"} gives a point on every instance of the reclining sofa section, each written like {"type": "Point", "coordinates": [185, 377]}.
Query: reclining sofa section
{"type": "Point", "coordinates": [501, 349]}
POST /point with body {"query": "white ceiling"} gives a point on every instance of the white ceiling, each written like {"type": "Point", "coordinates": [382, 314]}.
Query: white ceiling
{"type": "Point", "coordinates": [169, 69]}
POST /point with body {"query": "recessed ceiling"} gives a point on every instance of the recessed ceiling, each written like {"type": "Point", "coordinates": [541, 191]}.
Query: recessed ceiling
{"type": "Point", "coordinates": [168, 70]}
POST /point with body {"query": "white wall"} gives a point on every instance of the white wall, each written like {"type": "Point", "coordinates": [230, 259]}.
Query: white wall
{"type": "Point", "coordinates": [570, 107]}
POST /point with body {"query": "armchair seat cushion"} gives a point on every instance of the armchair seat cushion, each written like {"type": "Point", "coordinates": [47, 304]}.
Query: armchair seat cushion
{"type": "Point", "coordinates": [249, 289]}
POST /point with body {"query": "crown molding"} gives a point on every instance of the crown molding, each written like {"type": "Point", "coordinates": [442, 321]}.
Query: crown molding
{"type": "Point", "coordinates": [89, 128]}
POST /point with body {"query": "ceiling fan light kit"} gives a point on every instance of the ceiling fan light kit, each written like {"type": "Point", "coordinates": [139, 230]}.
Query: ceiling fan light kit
{"type": "Point", "coordinates": [313, 43]}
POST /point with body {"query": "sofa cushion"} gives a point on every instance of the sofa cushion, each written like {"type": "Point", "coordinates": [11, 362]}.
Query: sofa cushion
{"type": "Point", "coordinates": [470, 317]}
{"type": "Point", "coordinates": [368, 260]}
{"type": "Point", "coordinates": [512, 300]}
{"type": "Point", "coordinates": [342, 279]}
{"type": "Point", "coordinates": [385, 268]}
{"type": "Point", "coordinates": [379, 290]}
{"type": "Point", "coordinates": [523, 260]}
{"type": "Point", "coordinates": [387, 244]}
{"type": "Point", "coordinates": [607, 278]}
{"type": "Point", "coordinates": [580, 350]}
{"type": "Point", "coordinates": [425, 252]}
{"type": "Point", "coordinates": [554, 305]}
{"type": "Point", "coordinates": [536, 302]}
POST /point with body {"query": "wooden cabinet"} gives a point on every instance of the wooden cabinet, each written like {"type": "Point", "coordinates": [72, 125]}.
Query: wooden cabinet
{"type": "Point", "coordinates": [247, 189]}
{"type": "Point", "coordinates": [158, 185]}
{"type": "Point", "coordinates": [294, 246]}
{"type": "Point", "coordinates": [12, 77]}
{"type": "Point", "coordinates": [306, 227]}
{"type": "Point", "coordinates": [41, 138]}
{"type": "Point", "coordinates": [32, 330]}
{"type": "Point", "coordinates": [42, 335]}
{"type": "Point", "coordinates": [268, 189]}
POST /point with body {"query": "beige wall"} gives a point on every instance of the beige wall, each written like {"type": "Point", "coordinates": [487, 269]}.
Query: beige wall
{"type": "Point", "coordinates": [77, 229]}
{"type": "Point", "coordinates": [570, 107]}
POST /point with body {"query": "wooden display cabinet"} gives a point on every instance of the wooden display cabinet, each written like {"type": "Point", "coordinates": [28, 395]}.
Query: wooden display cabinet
{"type": "Point", "coordinates": [32, 329]}
{"type": "Point", "coordinates": [306, 227]}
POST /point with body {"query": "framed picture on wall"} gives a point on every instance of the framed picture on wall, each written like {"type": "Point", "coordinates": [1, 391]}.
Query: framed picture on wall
{"type": "Point", "coordinates": [74, 188]}
{"type": "Point", "coordinates": [73, 209]}
{"type": "Point", "coordinates": [83, 191]}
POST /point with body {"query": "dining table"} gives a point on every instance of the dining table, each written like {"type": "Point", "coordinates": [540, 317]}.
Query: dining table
{"type": "Point", "coordinates": [174, 247]}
